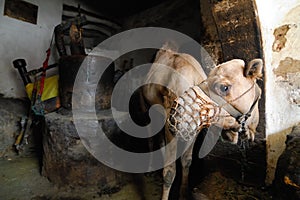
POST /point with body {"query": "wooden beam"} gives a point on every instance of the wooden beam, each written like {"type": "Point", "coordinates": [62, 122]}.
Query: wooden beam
{"type": "Point", "coordinates": [85, 12]}
{"type": "Point", "coordinates": [99, 24]}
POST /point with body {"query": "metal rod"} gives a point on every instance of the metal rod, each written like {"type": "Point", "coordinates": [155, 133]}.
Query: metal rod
{"type": "Point", "coordinates": [20, 64]}
{"type": "Point", "coordinates": [35, 71]}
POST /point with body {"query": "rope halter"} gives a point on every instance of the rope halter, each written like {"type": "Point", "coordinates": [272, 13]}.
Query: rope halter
{"type": "Point", "coordinates": [198, 108]}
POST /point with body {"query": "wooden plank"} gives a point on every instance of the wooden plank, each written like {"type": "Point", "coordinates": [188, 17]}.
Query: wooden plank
{"type": "Point", "coordinates": [93, 32]}
{"type": "Point", "coordinates": [94, 19]}
{"type": "Point", "coordinates": [89, 22]}
{"type": "Point", "coordinates": [238, 30]}
{"type": "Point", "coordinates": [85, 12]}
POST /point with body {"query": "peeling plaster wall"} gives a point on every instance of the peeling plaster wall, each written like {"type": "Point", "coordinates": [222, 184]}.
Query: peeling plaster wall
{"type": "Point", "coordinates": [281, 42]}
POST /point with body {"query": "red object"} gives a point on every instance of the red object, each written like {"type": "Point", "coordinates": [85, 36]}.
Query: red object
{"type": "Point", "coordinates": [43, 76]}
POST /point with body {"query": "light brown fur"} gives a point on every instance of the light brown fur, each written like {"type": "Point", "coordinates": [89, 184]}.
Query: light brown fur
{"type": "Point", "coordinates": [229, 73]}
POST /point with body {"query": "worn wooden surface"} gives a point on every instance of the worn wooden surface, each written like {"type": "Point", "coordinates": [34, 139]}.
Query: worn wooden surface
{"type": "Point", "coordinates": [231, 30]}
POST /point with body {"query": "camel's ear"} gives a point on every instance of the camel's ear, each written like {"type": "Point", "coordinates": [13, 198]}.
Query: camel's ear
{"type": "Point", "coordinates": [254, 68]}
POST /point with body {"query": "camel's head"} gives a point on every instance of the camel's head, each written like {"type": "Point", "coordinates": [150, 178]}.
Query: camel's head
{"type": "Point", "coordinates": [235, 84]}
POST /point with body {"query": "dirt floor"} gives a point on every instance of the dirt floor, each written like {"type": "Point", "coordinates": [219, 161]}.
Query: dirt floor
{"type": "Point", "coordinates": [21, 180]}
{"type": "Point", "coordinates": [216, 186]}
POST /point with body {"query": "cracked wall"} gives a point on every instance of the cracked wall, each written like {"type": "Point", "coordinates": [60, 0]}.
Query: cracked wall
{"type": "Point", "coordinates": [281, 42]}
{"type": "Point", "coordinates": [288, 76]}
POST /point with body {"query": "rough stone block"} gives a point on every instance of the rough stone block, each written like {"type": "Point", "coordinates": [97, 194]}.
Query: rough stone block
{"type": "Point", "coordinates": [66, 162]}
{"type": "Point", "coordinates": [11, 112]}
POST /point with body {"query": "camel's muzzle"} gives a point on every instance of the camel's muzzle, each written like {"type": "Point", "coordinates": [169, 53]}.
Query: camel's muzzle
{"type": "Point", "coordinates": [198, 108]}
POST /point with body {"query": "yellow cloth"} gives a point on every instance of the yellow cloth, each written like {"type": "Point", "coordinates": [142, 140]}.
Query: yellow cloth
{"type": "Point", "coordinates": [50, 88]}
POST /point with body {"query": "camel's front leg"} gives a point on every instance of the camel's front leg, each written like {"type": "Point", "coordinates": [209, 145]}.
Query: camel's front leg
{"type": "Point", "coordinates": [186, 161]}
{"type": "Point", "coordinates": [169, 171]}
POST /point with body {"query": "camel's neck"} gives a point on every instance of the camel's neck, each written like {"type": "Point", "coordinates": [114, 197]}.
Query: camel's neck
{"type": "Point", "coordinates": [191, 112]}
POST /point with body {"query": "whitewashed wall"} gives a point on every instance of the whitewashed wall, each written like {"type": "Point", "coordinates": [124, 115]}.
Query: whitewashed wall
{"type": "Point", "coordinates": [20, 39]}
{"type": "Point", "coordinates": [282, 92]}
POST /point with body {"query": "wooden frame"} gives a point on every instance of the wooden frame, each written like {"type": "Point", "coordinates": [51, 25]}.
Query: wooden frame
{"type": "Point", "coordinates": [21, 10]}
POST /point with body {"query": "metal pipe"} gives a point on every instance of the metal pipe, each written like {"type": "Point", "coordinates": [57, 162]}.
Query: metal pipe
{"type": "Point", "coordinates": [20, 64]}
{"type": "Point", "coordinates": [35, 71]}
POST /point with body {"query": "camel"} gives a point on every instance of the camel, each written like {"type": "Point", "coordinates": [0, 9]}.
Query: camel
{"type": "Point", "coordinates": [232, 82]}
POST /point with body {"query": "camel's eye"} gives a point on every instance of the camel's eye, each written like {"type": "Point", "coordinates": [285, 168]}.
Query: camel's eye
{"type": "Point", "coordinates": [222, 89]}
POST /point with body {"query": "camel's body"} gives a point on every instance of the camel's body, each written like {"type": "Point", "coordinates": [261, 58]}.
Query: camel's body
{"type": "Point", "coordinates": [184, 64]}
{"type": "Point", "coordinates": [230, 73]}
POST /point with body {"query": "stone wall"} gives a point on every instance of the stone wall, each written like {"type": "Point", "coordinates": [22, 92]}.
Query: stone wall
{"type": "Point", "coordinates": [66, 160]}
{"type": "Point", "coordinates": [11, 112]}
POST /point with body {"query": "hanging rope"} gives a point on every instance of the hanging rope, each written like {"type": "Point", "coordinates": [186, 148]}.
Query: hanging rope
{"type": "Point", "coordinates": [38, 107]}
